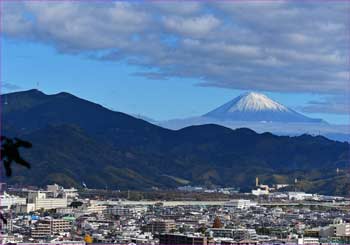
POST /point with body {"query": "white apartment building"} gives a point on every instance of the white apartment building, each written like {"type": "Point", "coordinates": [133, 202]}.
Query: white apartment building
{"type": "Point", "coordinates": [259, 192]}
{"type": "Point", "coordinates": [240, 204]}
{"type": "Point", "coordinates": [342, 229]}
{"type": "Point", "coordinates": [299, 196]}
{"type": "Point", "coordinates": [236, 234]}
{"type": "Point", "coordinates": [88, 208]}
{"type": "Point", "coordinates": [40, 200]}
{"type": "Point", "coordinates": [56, 190]}
{"type": "Point", "coordinates": [6, 200]}
{"type": "Point", "coordinates": [338, 229]}
{"type": "Point", "coordinates": [308, 241]}
{"type": "Point", "coordinates": [125, 210]}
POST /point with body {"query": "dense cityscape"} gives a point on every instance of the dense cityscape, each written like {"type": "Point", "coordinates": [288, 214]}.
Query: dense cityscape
{"type": "Point", "coordinates": [267, 215]}
{"type": "Point", "coordinates": [174, 122]}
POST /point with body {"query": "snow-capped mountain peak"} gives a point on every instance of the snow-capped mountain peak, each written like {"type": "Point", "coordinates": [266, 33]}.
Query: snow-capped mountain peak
{"type": "Point", "coordinates": [256, 107]}
{"type": "Point", "coordinates": [255, 102]}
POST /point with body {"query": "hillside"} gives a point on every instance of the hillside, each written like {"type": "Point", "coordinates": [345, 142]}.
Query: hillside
{"type": "Point", "coordinates": [76, 140]}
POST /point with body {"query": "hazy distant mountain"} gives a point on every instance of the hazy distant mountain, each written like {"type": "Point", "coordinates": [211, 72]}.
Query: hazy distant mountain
{"type": "Point", "coordinates": [257, 107]}
{"type": "Point", "coordinates": [262, 114]}
{"type": "Point", "coordinates": [77, 141]}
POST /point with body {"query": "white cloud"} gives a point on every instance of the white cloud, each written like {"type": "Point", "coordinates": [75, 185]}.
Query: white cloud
{"type": "Point", "coordinates": [193, 26]}
{"type": "Point", "coordinates": [338, 104]}
{"type": "Point", "coordinates": [176, 8]}
{"type": "Point", "coordinates": [301, 39]}
{"type": "Point", "coordinates": [9, 87]}
{"type": "Point", "coordinates": [283, 46]}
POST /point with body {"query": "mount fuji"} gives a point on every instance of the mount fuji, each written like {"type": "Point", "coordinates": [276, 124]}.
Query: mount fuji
{"type": "Point", "coordinates": [262, 114]}
{"type": "Point", "coordinates": [257, 107]}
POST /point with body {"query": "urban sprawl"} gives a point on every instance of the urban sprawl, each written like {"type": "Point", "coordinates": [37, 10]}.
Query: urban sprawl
{"type": "Point", "coordinates": [266, 215]}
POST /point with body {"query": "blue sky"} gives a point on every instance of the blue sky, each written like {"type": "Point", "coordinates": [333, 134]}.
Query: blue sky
{"type": "Point", "coordinates": [186, 60]}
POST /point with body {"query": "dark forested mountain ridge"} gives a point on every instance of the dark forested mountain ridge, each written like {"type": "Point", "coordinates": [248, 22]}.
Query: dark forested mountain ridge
{"type": "Point", "coordinates": [75, 141]}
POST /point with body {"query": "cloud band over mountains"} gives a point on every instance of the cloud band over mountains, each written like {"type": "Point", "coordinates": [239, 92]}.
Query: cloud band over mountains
{"type": "Point", "coordinates": [278, 46]}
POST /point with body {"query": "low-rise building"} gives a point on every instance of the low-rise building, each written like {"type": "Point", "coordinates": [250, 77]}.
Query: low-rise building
{"type": "Point", "coordinates": [299, 196]}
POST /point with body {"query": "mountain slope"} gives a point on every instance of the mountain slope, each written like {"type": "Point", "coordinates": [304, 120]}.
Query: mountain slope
{"type": "Point", "coordinates": [32, 110]}
{"type": "Point", "coordinates": [76, 140]}
{"type": "Point", "coordinates": [257, 107]}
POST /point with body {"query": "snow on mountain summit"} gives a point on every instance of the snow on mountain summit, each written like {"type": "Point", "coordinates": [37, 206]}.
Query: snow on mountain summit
{"type": "Point", "coordinates": [256, 107]}
{"type": "Point", "coordinates": [255, 102]}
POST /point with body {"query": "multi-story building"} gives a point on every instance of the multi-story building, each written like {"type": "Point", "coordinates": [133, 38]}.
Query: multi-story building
{"type": "Point", "coordinates": [56, 190]}
{"type": "Point", "coordinates": [338, 229]}
{"type": "Point", "coordinates": [60, 225]}
{"type": "Point", "coordinates": [260, 191]}
{"type": "Point", "coordinates": [172, 239]}
{"type": "Point", "coordinates": [90, 207]}
{"type": "Point", "coordinates": [342, 229]}
{"type": "Point", "coordinates": [6, 200]}
{"type": "Point", "coordinates": [298, 196]}
{"type": "Point", "coordinates": [48, 227]}
{"type": "Point", "coordinates": [308, 241]}
{"type": "Point", "coordinates": [42, 230]}
{"type": "Point", "coordinates": [240, 204]}
{"type": "Point", "coordinates": [40, 200]}
{"type": "Point", "coordinates": [125, 210]}
{"type": "Point", "coordinates": [24, 208]}
{"type": "Point", "coordinates": [244, 242]}
{"type": "Point", "coordinates": [236, 234]}
{"type": "Point", "coordinates": [160, 226]}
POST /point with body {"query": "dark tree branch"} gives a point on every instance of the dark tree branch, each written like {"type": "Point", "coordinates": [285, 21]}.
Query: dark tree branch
{"type": "Point", "coordinates": [10, 153]}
